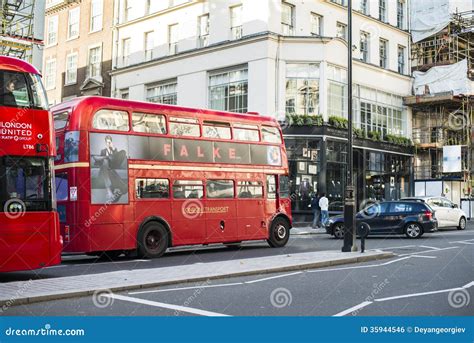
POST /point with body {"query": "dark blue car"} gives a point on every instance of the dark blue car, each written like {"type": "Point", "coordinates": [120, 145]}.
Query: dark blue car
{"type": "Point", "coordinates": [390, 217]}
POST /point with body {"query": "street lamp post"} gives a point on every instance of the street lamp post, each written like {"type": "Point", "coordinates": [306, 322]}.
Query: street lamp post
{"type": "Point", "coordinates": [349, 196]}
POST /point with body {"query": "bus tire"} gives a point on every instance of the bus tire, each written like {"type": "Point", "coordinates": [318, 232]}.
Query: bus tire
{"type": "Point", "coordinates": [279, 233]}
{"type": "Point", "coordinates": [153, 240]}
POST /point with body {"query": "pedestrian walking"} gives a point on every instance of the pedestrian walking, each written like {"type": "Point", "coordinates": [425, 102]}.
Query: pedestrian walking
{"type": "Point", "coordinates": [324, 206]}
{"type": "Point", "coordinates": [316, 210]}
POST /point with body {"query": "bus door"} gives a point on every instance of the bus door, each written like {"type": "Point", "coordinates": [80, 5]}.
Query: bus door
{"type": "Point", "coordinates": [188, 216]}
{"type": "Point", "coordinates": [251, 210]}
{"type": "Point", "coordinates": [220, 208]}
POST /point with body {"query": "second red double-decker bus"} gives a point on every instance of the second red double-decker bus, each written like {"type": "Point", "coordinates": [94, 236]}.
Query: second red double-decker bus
{"type": "Point", "coordinates": [143, 177]}
{"type": "Point", "coordinates": [29, 226]}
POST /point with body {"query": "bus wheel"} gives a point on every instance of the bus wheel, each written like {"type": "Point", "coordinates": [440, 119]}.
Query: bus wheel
{"type": "Point", "coordinates": [279, 233]}
{"type": "Point", "coordinates": [152, 241]}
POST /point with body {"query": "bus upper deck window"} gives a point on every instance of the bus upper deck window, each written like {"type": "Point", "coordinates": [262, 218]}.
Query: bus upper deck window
{"type": "Point", "coordinates": [60, 120]}
{"type": "Point", "coordinates": [216, 130]}
{"type": "Point", "coordinates": [149, 123]}
{"type": "Point", "coordinates": [111, 120]}
{"type": "Point", "coordinates": [184, 127]}
{"type": "Point", "coordinates": [271, 134]}
{"type": "Point", "coordinates": [246, 133]}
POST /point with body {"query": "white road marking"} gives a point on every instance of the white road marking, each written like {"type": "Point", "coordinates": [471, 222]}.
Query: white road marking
{"type": "Point", "coordinates": [428, 247]}
{"type": "Point", "coordinates": [423, 256]}
{"type": "Point", "coordinates": [466, 240]}
{"type": "Point", "coordinates": [272, 277]}
{"type": "Point", "coordinates": [186, 288]}
{"type": "Point", "coordinates": [352, 309]}
{"type": "Point", "coordinates": [402, 246]}
{"type": "Point", "coordinates": [167, 306]}
{"type": "Point", "coordinates": [420, 252]}
{"type": "Point", "coordinates": [367, 303]}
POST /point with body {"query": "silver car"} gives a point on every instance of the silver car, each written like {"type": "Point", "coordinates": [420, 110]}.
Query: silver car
{"type": "Point", "coordinates": [446, 212]}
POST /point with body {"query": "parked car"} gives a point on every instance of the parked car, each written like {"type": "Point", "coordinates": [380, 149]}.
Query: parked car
{"type": "Point", "coordinates": [412, 218]}
{"type": "Point", "coordinates": [446, 212]}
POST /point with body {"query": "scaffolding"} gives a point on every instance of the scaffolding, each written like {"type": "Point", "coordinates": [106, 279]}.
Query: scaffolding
{"type": "Point", "coordinates": [451, 45]}
{"type": "Point", "coordinates": [17, 28]}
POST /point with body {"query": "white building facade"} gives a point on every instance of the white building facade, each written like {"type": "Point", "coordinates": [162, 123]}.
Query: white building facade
{"type": "Point", "coordinates": [284, 59]}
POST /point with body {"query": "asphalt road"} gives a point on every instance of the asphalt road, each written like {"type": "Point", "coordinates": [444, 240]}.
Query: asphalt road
{"type": "Point", "coordinates": [430, 276]}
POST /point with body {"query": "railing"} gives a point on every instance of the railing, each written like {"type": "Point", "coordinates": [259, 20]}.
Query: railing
{"type": "Point", "coordinates": [428, 172]}
{"type": "Point", "coordinates": [428, 135]}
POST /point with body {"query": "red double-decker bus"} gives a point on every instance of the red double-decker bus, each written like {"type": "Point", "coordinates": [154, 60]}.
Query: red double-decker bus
{"type": "Point", "coordinates": [143, 177]}
{"type": "Point", "coordinates": [29, 225]}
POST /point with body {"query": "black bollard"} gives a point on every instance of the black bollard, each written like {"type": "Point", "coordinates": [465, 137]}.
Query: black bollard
{"type": "Point", "coordinates": [363, 230]}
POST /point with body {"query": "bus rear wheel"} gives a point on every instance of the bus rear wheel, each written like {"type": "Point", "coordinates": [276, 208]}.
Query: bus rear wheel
{"type": "Point", "coordinates": [152, 240]}
{"type": "Point", "coordinates": [279, 233]}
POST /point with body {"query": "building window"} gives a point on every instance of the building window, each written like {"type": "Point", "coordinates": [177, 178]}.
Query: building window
{"type": "Point", "coordinates": [383, 47]}
{"type": "Point", "coordinates": [149, 45]}
{"type": "Point", "coordinates": [228, 91]}
{"type": "Point", "coordinates": [337, 88]}
{"type": "Point", "coordinates": [173, 39]}
{"type": "Point", "coordinates": [341, 30]}
{"type": "Point", "coordinates": [236, 22]}
{"type": "Point", "coordinates": [287, 19]}
{"type": "Point", "coordinates": [383, 10]}
{"type": "Point", "coordinates": [124, 94]}
{"type": "Point", "coordinates": [203, 31]}
{"type": "Point", "coordinates": [52, 31]}
{"type": "Point", "coordinates": [94, 65]}
{"type": "Point", "coordinates": [50, 74]}
{"type": "Point", "coordinates": [401, 59]}
{"type": "Point", "coordinates": [316, 25]}
{"type": "Point", "coordinates": [126, 51]}
{"type": "Point", "coordinates": [400, 14]}
{"type": "Point", "coordinates": [340, 2]}
{"type": "Point", "coordinates": [364, 6]}
{"type": "Point", "coordinates": [73, 23]}
{"type": "Point", "coordinates": [71, 69]}
{"type": "Point", "coordinates": [380, 112]}
{"type": "Point", "coordinates": [302, 89]}
{"type": "Point", "coordinates": [364, 46]}
{"type": "Point", "coordinates": [163, 93]}
{"type": "Point", "coordinates": [127, 10]}
{"type": "Point", "coordinates": [97, 8]}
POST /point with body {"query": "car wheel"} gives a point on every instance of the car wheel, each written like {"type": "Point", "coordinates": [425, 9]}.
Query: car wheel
{"type": "Point", "coordinates": [413, 230]}
{"type": "Point", "coordinates": [152, 240]}
{"type": "Point", "coordinates": [462, 224]}
{"type": "Point", "coordinates": [279, 233]}
{"type": "Point", "coordinates": [338, 231]}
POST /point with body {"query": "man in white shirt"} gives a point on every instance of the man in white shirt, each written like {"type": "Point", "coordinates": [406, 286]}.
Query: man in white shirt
{"type": "Point", "coordinates": [324, 205]}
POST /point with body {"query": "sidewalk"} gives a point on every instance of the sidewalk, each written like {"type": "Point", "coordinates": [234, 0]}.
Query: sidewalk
{"type": "Point", "coordinates": [306, 230]}
{"type": "Point", "coordinates": [21, 292]}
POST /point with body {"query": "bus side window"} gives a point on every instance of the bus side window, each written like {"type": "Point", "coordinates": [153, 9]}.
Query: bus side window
{"type": "Point", "coordinates": [220, 189]}
{"type": "Point", "coordinates": [152, 188]}
{"type": "Point", "coordinates": [284, 187]}
{"type": "Point", "coordinates": [271, 187]}
{"type": "Point", "coordinates": [249, 189]}
{"type": "Point", "coordinates": [149, 123]}
{"type": "Point", "coordinates": [188, 189]}
{"type": "Point", "coordinates": [271, 135]}
{"type": "Point", "coordinates": [110, 120]}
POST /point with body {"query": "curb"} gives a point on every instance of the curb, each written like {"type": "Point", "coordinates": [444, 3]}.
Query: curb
{"type": "Point", "coordinates": [79, 293]}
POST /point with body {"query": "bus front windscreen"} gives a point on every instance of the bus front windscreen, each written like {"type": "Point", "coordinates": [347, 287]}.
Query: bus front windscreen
{"type": "Point", "coordinates": [21, 90]}
{"type": "Point", "coordinates": [24, 183]}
